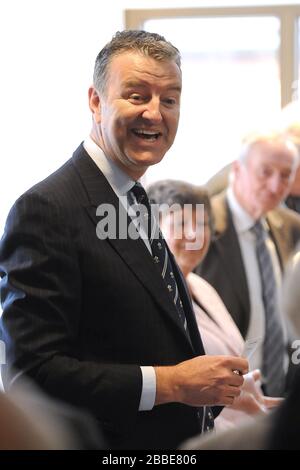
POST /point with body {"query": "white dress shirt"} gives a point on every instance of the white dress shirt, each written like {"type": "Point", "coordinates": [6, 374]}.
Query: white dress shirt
{"type": "Point", "coordinates": [121, 183]}
{"type": "Point", "coordinates": [243, 223]}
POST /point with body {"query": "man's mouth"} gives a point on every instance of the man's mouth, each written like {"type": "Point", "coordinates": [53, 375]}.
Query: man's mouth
{"type": "Point", "coordinates": [146, 134]}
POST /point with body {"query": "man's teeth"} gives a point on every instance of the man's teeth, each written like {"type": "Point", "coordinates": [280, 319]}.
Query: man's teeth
{"type": "Point", "coordinates": [147, 134]}
{"type": "Point", "coordinates": [142, 131]}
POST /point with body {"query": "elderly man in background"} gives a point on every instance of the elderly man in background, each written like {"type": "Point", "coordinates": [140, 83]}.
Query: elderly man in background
{"type": "Point", "coordinates": [254, 239]}
{"type": "Point", "coordinates": [289, 123]}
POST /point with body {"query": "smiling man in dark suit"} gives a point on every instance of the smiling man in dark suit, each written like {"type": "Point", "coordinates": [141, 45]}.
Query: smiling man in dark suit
{"type": "Point", "coordinates": [91, 318]}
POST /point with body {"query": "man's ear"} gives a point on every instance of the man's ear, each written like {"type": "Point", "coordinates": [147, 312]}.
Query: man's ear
{"type": "Point", "coordinates": [95, 104]}
{"type": "Point", "coordinates": [235, 167]}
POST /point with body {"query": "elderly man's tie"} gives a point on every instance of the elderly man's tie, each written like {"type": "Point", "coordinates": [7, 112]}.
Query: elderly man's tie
{"type": "Point", "coordinates": [273, 347]}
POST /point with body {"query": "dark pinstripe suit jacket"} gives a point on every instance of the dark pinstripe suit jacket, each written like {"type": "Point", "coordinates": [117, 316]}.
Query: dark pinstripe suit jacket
{"type": "Point", "coordinates": [81, 314]}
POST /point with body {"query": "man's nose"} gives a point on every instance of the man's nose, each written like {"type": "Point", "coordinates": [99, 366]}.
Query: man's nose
{"type": "Point", "coordinates": [275, 183]}
{"type": "Point", "coordinates": [152, 111]}
{"type": "Point", "coordinates": [190, 232]}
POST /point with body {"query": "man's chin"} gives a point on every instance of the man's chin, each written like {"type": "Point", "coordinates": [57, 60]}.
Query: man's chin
{"type": "Point", "coordinates": [269, 206]}
{"type": "Point", "coordinates": [147, 158]}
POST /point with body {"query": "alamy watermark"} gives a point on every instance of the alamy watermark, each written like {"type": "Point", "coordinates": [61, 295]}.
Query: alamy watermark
{"type": "Point", "coordinates": [188, 222]}
{"type": "Point", "coordinates": [295, 357]}
{"type": "Point", "coordinates": [2, 352]}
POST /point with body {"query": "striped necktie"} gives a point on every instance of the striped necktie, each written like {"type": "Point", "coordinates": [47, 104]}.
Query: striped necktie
{"type": "Point", "coordinates": [273, 347]}
{"type": "Point", "coordinates": [163, 263]}
{"type": "Point", "coordinates": [159, 249]}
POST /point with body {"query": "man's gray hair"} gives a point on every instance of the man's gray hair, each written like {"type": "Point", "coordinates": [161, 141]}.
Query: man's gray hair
{"type": "Point", "coordinates": [255, 139]}
{"type": "Point", "coordinates": [149, 44]}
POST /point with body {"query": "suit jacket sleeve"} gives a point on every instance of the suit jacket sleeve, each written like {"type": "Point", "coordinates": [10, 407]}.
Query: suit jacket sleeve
{"type": "Point", "coordinates": [41, 299]}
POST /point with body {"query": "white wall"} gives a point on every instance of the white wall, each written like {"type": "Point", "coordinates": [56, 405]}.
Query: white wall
{"type": "Point", "coordinates": [47, 54]}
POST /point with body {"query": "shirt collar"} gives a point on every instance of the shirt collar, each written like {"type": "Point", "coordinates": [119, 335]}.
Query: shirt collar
{"type": "Point", "coordinates": [118, 180]}
{"type": "Point", "coordinates": [241, 219]}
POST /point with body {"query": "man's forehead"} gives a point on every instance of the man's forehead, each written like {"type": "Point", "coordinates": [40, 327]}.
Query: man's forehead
{"type": "Point", "coordinates": [135, 66]}
{"type": "Point", "coordinates": [277, 160]}
{"type": "Point", "coordinates": [140, 83]}
{"type": "Point", "coordinates": [269, 149]}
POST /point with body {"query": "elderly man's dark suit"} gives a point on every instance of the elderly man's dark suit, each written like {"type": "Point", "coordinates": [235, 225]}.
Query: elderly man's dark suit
{"type": "Point", "coordinates": [80, 314]}
{"type": "Point", "coordinates": [223, 266]}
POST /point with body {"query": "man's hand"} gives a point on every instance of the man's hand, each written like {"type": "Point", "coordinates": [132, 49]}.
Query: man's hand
{"type": "Point", "coordinates": [252, 400]}
{"type": "Point", "coordinates": [203, 380]}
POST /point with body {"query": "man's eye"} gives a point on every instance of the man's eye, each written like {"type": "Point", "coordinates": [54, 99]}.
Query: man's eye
{"type": "Point", "coordinates": [135, 97]}
{"type": "Point", "coordinates": [285, 176]}
{"type": "Point", "coordinates": [265, 172]}
{"type": "Point", "coordinates": [170, 101]}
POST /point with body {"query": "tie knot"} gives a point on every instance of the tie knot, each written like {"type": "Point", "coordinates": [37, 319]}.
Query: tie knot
{"type": "Point", "coordinates": [258, 229]}
{"type": "Point", "coordinates": [139, 193]}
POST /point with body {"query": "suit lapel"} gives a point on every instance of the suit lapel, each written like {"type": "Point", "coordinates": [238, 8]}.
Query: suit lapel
{"type": "Point", "coordinates": [228, 247]}
{"type": "Point", "coordinates": [188, 307]}
{"type": "Point", "coordinates": [133, 252]}
{"type": "Point", "coordinates": [280, 237]}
